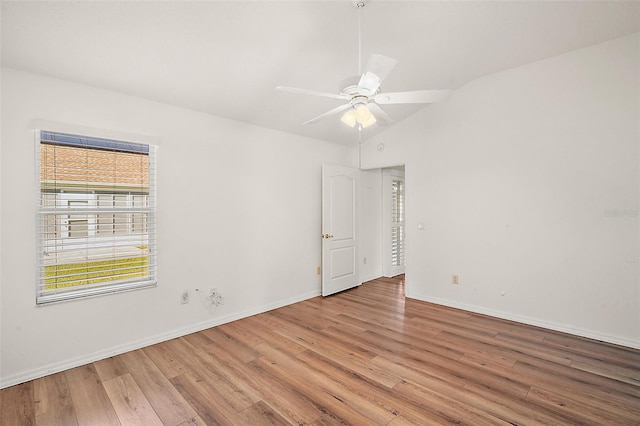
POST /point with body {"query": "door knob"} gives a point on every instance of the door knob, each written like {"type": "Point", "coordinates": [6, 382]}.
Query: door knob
{"type": "Point", "coordinates": [327, 236]}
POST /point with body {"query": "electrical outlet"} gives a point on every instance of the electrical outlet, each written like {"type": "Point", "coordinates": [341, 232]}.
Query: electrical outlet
{"type": "Point", "coordinates": [364, 261]}
{"type": "Point", "coordinates": [317, 270]}
{"type": "Point", "coordinates": [184, 297]}
{"type": "Point", "coordinates": [454, 279]}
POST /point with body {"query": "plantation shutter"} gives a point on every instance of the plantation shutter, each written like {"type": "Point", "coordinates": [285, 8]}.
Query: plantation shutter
{"type": "Point", "coordinates": [397, 223]}
{"type": "Point", "coordinates": [96, 216]}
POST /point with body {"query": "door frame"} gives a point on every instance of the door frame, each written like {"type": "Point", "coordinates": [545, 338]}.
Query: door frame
{"type": "Point", "coordinates": [388, 175]}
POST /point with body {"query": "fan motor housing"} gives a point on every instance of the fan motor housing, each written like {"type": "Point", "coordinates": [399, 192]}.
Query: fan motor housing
{"type": "Point", "coordinates": [351, 89]}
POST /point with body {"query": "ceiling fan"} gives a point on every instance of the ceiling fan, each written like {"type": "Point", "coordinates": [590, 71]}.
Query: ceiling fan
{"type": "Point", "coordinates": [363, 95]}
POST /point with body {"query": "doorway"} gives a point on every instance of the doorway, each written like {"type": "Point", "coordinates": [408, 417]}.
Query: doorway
{"type": "Point", "coordinates": [393, 221]}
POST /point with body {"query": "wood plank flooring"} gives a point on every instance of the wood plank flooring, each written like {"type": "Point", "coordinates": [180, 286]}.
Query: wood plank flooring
{"type": "Point", "coordinates": [365, 356]}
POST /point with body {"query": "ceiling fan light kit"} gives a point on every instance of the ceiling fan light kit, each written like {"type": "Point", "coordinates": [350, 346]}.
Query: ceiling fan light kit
{"type": "Point", "coordinates": [349, 118]}
{"type": "Point", "coordinates": [359, 114]}
{"type": "Point", "coordinates": [364, 97]}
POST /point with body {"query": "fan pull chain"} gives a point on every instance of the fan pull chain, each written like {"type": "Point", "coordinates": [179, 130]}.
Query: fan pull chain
{"type": "Point", "coordinates": [360, 147]}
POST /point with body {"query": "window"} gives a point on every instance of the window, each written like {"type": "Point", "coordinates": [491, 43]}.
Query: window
{"type": "Point", "coordinates": [96, 213]}
{"type": "Point", "coordinates": [397, 222]}
{"type": "Point", "coordinates": [393, 221]}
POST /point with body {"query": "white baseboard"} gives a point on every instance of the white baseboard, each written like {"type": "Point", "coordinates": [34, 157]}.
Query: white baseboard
{"type": "Point", "coordinates": [576, 331]}
{"type": "Point", "coordinates": [46, 370]}
{"type": "Point", "coordinates": [53, 368]}
{"type": "Point", "coordinates": [369, 278]}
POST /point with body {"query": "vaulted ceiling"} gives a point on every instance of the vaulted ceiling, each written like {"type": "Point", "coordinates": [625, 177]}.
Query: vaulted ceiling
{"type": "Point", "coordinates": [226, 58]}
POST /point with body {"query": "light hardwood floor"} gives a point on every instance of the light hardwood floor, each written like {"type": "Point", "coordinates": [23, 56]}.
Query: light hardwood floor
{"type": "Point", "coordinates": [366, 357]}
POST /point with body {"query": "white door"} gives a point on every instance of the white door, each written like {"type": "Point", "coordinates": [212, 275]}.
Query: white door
{"type": "Point", "coordinates": [393, 222]}
{"type": "Point", "coordinates": [340, 239]}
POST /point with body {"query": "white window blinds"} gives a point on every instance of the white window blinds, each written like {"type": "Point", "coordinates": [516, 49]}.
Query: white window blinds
{"type": "Point", "coordinates": [397, 223]}
{"type": "Point", "coordinates": [96, 216]}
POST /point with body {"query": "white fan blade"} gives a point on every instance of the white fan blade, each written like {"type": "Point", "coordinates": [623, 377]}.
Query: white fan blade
{"type": "Point", "coordinates": [414, 97]}
{"type": "Point", "coordinates": [381, 116]}
{"type": "Point", "coordinates": [312, 92]}
{"type": "Point", "coordinates": [328, 113]}
{"type": "Point", "coordinates": [377, 69]}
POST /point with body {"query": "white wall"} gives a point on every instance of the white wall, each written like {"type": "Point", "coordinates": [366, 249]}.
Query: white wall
{"type": "Point", "coordinates": [1, 237]}
{"type": "Point", "coordinates": [371, 224]}
{"type": "Point", "coordinates": [253, 234]}
{"type": "Point", "coordinates": [527, 182]}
